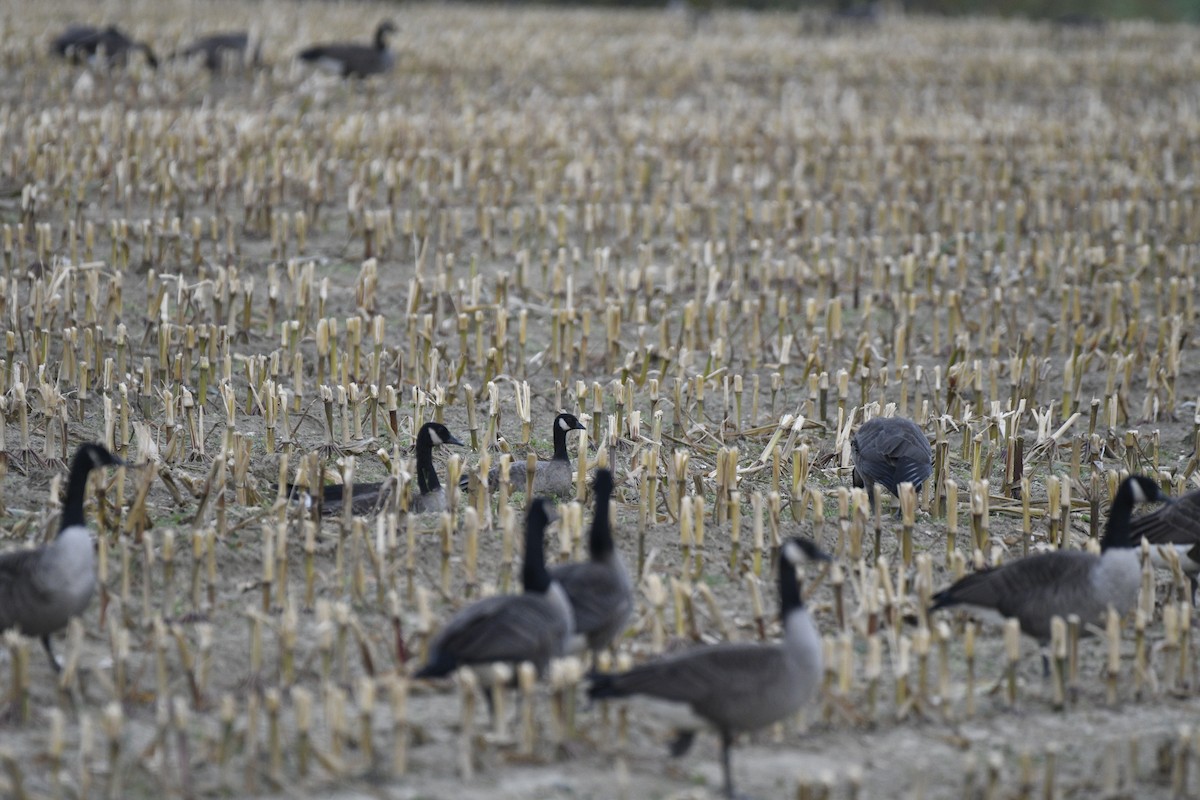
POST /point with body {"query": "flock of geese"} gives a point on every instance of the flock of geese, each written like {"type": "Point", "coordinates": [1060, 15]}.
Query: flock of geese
{"type": "Point", "coordinates": [109, 46]}
{"type": "Point", "coordinates": [586, 606]}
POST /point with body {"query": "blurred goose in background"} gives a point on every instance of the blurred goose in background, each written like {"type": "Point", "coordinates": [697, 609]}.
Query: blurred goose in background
{"type": "Point", "coordinates": [890, 451]}
{"type": "Point", "coordinates": [223, 49]}
{"type": "Point", "coordinates": [370, 498]}
{"type": "Point", "coordinates": [82, 44]}
{"type": "Point", "coordinates": [355, 60]}
{"type": "Point", "coordinates": [42, 588]}
{"type": "Point", "coordinates": [555, 477]}
{"type": "Point", "coordinates": [513, 628]}
{"type": "Point", "coordinates": [1175, 526]}
{"type": "Point", "coordinates": [1059, 583]}
{"type": "Point", "coordinates": [600, 591]}
{"type": "Point", "coordinates": [736, 687]}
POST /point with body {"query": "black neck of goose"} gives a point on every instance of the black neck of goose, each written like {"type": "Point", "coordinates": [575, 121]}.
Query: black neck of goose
{"type": "Point", "coordinates": [790, 598]}
{"type": "Point", "coordinates": [560, 443]}
{"type": "Point", "coordinates": [1116, 532]}
{"type": "Point", "coordinates": [535, 578]}
{"type": "Point", "coordinates": [72, 513]}
{"type": "Point", "coordinates": [600, 540]}
{"type": "Point", "coordinates": [427, 479]}
{"type": "Point", "coordinates": [381, 39]}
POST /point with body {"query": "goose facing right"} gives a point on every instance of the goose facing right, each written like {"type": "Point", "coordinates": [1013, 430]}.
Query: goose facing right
{"type": "Point", "coordinates": [534, 626]}
{"type": "Point", "coordinates": [1035, 589]}
{"type": "Point", "coordinates": [355, 60]}
{"type": "Point", "coordinates": [736, 687]}
{"type": "Point", "coordinates": [42, 588]}
{"type": "Point", "coordinates": [554, 477]}
{"type": "Point", "coordinates": [890, 451]}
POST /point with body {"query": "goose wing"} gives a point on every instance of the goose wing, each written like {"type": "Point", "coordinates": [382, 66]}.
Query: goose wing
{"type": "Point", "coordinates": [20, 590]}
{"type": "Point", "coordinates": [698, 676]}
{"type": "Point", "coordinates": [598, 594]}
{"type": "Point", "coordinates": [1176, 523]}
{"type": "Point", "coordinates": [891, 452]}
{"type": "Point", "coordinates": [504, 628]}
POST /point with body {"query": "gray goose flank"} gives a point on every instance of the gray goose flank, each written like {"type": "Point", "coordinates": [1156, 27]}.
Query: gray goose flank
{"type": "Point", "coordinates": [42, 588]}
{"type": "Point", "coordinates": [534, 626]}
{"type": "Point", "coordinates": [599, 589]}
{"type": "Point", "coordinates": [736, 687]}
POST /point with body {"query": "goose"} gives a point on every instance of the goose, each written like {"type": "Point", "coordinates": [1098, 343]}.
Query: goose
{"type": "Point", "coordinates": [42, 588]}
{"type": "Point", "coordinates": [370, 498]}
{"type": "Point", "coordinates": [736, 687]}
{"type": "Point", "coordinates": [219, 49]}
{"type": "Point", "coordinates": [1059, 583]}
{"type": "Point", "coordinates": [355, 60]}
{"type": "Point", "coordinates": [890, 451]}
{"type": "Point", "coordinates": [1175, 525]}
{"type": "Point", "coordinates": [534, 626]}
{"type": "Point", "coordinates": [83, 44]}
{"type": "Point", "coordinates": [555, 477]}
{"type": "Point", "coordinates": [599, 589]}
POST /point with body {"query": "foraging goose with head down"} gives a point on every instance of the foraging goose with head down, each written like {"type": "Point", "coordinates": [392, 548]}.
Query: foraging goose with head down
{"type": "Point", "coordinates": [355, 60]}
{"type": "Point", "coordinates": [1175, 526]}
{"type": "Point", "coordinates": [600, 591]}
{"type": "Point", "coordinates": [222, 49]}
{"type": "Point", "coordinates": [890, 451]}
{"type": "Point", "coordinates": [81, 44]}
{"type": "Point", "coordinates": [554, 477]}
{"type": "Point", "coordinates": [370, 498]}
{"type": "Point", "coordinates": [736, 687]}
{"type": "Point", "coordinates": [42, 588]}
{"type": "Point", "coordinates": [1059, 583]}
{"type": "Point", "coordinates": [535, 626]}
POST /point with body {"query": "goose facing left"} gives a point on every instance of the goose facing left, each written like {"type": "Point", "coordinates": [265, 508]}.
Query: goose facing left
{"type": "Point", "coordinates": [81, 44]}
{"type": "Point", "coordinates": [355, 60]}
{"type": "Point", "coordinates": [41, 589]}
{"type": "Point", "coordinates": [736, 687]}
{"type": "Point", "coordinates": [1059, 583]}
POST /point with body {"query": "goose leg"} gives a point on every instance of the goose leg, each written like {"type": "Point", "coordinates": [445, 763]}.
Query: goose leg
{"type": "Point", "coordinates": [726, 746]}
{"type": "Point", "coordinates": [50, 652]}
{"type": "Point", "coordinates": [681, 743]}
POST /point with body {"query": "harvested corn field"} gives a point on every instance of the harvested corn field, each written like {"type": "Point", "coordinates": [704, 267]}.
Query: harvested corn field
{"type": "Point", "coordinates": [721, 242]}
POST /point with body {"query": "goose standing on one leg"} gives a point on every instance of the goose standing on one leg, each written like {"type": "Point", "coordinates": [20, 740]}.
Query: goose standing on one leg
{"type": "Point", "coordinates": [1176, 526]}
{"type": "Point", "coordinates": [355, 60]}
{"type": "Point", "coordinates": [600, 591]}
{"type": "Point", "coordinates": [370, 498]}
{"type": "Point", "coordinates": [554, 477]}
{"type": "Point", "coordinates": [890, 451]}
{"type": "Point", "coordinates": [512, 628]}
{"type": "Point", "coordinates": [41, 589]}
{"type": "Point", "coordinates": [1062, 582]}
{"type": "Point", "coordinates": [737, 687]}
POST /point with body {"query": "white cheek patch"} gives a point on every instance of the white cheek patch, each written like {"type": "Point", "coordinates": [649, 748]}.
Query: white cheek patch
{"type": "Point", "coordinates": [1139, 494]}
{"type": "Point", "coordinates": [433, 436]}
{"type": "Point", "coordinates": [562, 424]}
{"type": "Point", "coordinates": [792, 553]}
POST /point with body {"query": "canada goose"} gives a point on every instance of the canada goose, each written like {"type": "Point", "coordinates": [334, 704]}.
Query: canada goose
{"type": "Point", "coordinates": [81, 44]}
{"type": "Point", "coordinates": [370, 498]}
{"type": "Point", "coordinates": [534, 626]}
{"type": "Point", "coordinates": [42, 588]}
{"type": "Point", "coordinates": [355, 60]}
{"type": "Point", "coordinates": [1176, 525]}
{"type": "Point", "coordinates": [1061, 582]}
{"type": "Point", "coordinates": [600, 591]}
{"type": "Point", "coordinates": [736, 687]}
{"type": "Point", "coordinates": [890, 451]}
{"type": "Point", "coordinates": [554, 477]}
{"type": "Point", "coordinates": [221, 49]}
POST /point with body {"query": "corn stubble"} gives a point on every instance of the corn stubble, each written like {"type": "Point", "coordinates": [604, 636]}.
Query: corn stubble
{"type": "Point", "coordinates": [722, 252]}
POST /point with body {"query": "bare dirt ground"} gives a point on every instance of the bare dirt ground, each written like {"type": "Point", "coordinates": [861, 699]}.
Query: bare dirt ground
{"type": "Point", "coordinates": [723, 224]}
